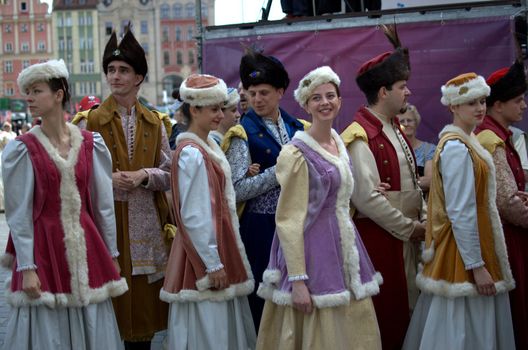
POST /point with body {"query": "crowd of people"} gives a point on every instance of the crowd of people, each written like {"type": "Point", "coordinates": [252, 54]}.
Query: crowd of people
{"type": "Point", "coordinates": [265, 231]}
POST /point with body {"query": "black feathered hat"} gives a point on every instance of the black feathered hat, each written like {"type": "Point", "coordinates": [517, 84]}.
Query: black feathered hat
{"type": "Point", "coordinates": [128, 50]}
{"type": "Point", "coordinates": [256, 68]}
{"type": "Point", "coordinates": [387, 68]}
{"type": "Point", "coordinates": [506, 83]}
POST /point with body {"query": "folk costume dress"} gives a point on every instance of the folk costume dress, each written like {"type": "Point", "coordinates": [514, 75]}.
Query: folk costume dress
{"type": "Point", "coordinates": [259, 140]}
{"type": "Point", "coordinates": [316, 241]}
{"type": "Point", "coordinates": [208, 240]}
{"type": "Point", "coordinates": [63, 226]}
{"type": "Point", "coordinates": [464, 232]}
{"type": "Point", "coordinates": [514, 214]}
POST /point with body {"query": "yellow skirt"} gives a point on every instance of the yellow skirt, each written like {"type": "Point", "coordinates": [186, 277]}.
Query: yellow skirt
{"type": "Point", "coordinates": [344, 327]}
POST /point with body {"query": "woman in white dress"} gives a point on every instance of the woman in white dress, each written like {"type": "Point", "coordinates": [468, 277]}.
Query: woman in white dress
{"type": "Point", "coordinates": [208, 275]}
{"type": "Point", "coordinates": [466, 276]}
{"type": "Point", "coordinates": [63, 233]}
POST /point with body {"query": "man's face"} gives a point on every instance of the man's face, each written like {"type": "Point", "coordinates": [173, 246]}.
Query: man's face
{"type": "Point", "coordinates": [264, 98]}
{"type": "Point", "coordinates": [513, 109]}
{"type": "Point", "coordinates": [122, 78]}
{"type": "Point", "coordinates": [396, 98]}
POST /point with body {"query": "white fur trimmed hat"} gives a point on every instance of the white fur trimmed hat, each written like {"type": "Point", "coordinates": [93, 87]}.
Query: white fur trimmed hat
{"type": "Point", "coordinates": [464, 88]}
{"type": "Point", "coordinates": [203, 90]}
{"type": "Point", "coordinates": [232, 98]}
{"type": "Point", "coordinates": [41, 72]}
{"type": "Point", "coordinates": [312, 80]}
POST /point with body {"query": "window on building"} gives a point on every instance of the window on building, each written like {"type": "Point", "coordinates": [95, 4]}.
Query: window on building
{"type": "Point", "coordinates": [89, 43]}
{"type": "Point", "coordinates": [191, 58]}
{"type": "Point", "coordinates": [177, 11]}
{"type": "Point", "coordinates": [40, 27]}
{"type": "Point", "coordinates": [204, 10]}
{"type": "Point", "coordinates": [178, 34]}
{"type": "Point", "coordinates": [61, 43]}
{"type": "Point", "coordinates": [41, 46]}
{"type": "Point", "coordinates": [9, 90]}
{"type": "Point", "coordinates": [108, 28]}
{"type": "Point", "coordinates": [145, 48]}
{"type": "Point", "coordinates": [90, 66]}
{"type": "Point", "coordinates": [68, 2]}
{"type": "Point", "coordinates": [25, 64]}
{"type": "Point", "coordinates": [89, 20]}
{"type": "Point", "coordinates": [24, 47]}
{"type": "Point", "coordinates": [81, 43]}
{"type": "Point", "coordinates": [69, 43]}
{"type": "Point", "coordinates": [179, 59]}
{"type": "Point", "coordinates": [8, 67]}
{"type": "Point", "coordinates": [8, 47]}
{"type": "Point", "coordinates": [68, 21]}
{"type": "Point", "coordinates": [7, 28]}
{"type": "Point", "coordinates": [92, 88]}
{"type": "Point", "coordinates": [23, 6]}
{"type": "Point", "coordinates": [83, 66]}
{"type": "Point", "coordinates": [82, 2]}
{"type": "Point", "coordinates": [164, 11]}
{"type": "Point", "coordinates": [23, 27]}
{"type": "Point", "coordinates": [190, 31]}
{"type": "Point", "coordinates": [189, 10]}
{"type": "Point", "coordinates": [166, 58]}
{"type": "Point", "coordinates": [165, 33]}
{"type": "Point", "coordinates": [144, 27]}
{"type": "Point", "coordinates": [60, 21]}
{"type": "Point", "coordinates": [81, 19]}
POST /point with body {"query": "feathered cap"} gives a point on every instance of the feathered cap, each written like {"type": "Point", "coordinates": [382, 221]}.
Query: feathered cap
{"type": "Point", "coordinates": [464, 88]}
{"type": "Point", "coordinates": [312, 80]}
{"type": "Point", "coordinates": [128, 50]}
{"type": "Point", "coordinates": [232, 98]}
{"type": "Point", "coordinates": [387, 68]}
{"type": "Point", "coordinates": [203, 90]}
{"type": "Point", "coordinates": [256, 68]}
{"type": "Point", "coordinates": [508, 82]}
{"type": "Point", "coordinates": [41, 72]}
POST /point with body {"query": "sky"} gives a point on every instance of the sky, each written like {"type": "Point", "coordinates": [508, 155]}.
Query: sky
{"type": "Point", "coordinates": [239, 11]}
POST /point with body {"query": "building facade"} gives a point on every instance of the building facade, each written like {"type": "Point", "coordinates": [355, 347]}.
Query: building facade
{"type": "Point", "coordinates": [25, 39]}
{"type": "Point", "coordinates": [76, 41]}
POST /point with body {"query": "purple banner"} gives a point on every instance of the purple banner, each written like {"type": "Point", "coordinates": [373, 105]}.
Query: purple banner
{"type": "Point", "coordinates": [438, 51]}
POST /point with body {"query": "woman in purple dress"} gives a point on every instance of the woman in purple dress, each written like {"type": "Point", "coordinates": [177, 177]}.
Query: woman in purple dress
{"type": "Point", "coordinates": [319, 279]}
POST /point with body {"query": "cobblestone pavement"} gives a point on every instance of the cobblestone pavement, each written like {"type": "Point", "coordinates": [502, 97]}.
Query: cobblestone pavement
{"type": "Point", "coordinates": [4, 308]}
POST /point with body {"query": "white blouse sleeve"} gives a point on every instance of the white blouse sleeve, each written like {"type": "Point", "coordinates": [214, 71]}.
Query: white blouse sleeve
{"type": "Point", "coordinates": [195, 206]}
{"type": "Point", "coordinates": [458, 177]}
{"type": "Point", "coordinates": [102, 194]}
{"type": "Point", "coordinates": [18, 177]}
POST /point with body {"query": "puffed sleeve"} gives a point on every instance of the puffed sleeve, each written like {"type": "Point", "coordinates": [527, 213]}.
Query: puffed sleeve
{"type": "Point", "coordinates": [102, 194]}
{"type": "Point", "coordinates": [368, 200]}
{"type": "Point", "coordinates": [247, 187]}
{"type": "Point", "coordinates": [510, 205]}
{"type": "Point", "coordinates": [195, 206]}
{"type": "Point", "coordinates": [159, 177]}
{"type": "Point", "coordinates": [18, 177]}
{"type": "Point", "coordinates": [292, 208]}
{"type": "Point", "coordinates": [456, 167]}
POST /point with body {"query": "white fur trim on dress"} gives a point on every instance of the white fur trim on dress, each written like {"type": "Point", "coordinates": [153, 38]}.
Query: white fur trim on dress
{"type": "Point", "coordinates": [468, 289]}
{"type": "Point", "coordinates": [217, 155]}
{"type": "Point", "coordinates": [41, 72]}
{"type": "Point", "coordinates": [347, 229]}
{"type": "Point", "coordinates": [108, 290]}
{"type": "Point", "coordinates": [74, 235]}
{"type": "Point", "coordinates": [191, 295]}
{"type": "Point", "coordinates": [312, 80]}
{"type": "Point", "coordinates": [453, 95]}
{"type": "Point", "coordinates": [204, 97]}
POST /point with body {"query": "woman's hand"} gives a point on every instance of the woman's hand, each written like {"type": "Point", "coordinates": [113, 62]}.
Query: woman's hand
{"type": "Point", "coordinates": [254, 169]}
{"type": "Point", "coordinates": [218, 279]}
{"type": "Point", "coordinates": [116, 265]}
{"type": "Point", "coordinates": [485, 284]}
{"type": "Point", "coordinates": [31, 284]}
{"type": "Point", "coordinates": [301, 297]}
